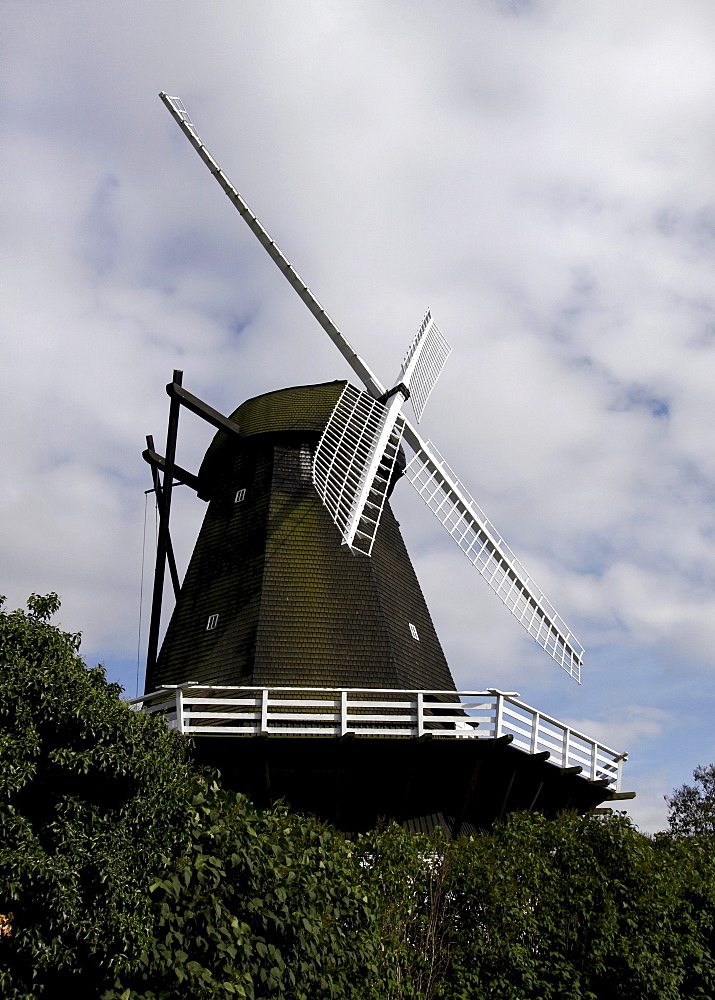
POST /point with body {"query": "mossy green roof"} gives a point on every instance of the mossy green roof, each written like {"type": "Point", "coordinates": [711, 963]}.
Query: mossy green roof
{"type": "Point", "coordinates": [295, 410]}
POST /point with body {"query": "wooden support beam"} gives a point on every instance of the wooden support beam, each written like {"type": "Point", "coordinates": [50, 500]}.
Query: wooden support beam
{"type": "Point", "coordinates": [507, 793]}
{"type": "Point", "coordinates": [457, 826]}
{"type": "Point", "coordinates": [502, 741]}
{"type": "Point", "coordinates": [536, 796]}
{"type": "Point", "coordinates": [157, 461]}
{"type": "Point", "coordinates": [163, 542]}
{"type": "Point", "coordinates": [201, 409]}
{"type": "Point", "coordinates": [173, 572]}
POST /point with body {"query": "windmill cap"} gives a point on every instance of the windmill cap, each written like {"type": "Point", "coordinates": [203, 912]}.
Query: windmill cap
{"type": "Point", "coordinates": [297, 410]}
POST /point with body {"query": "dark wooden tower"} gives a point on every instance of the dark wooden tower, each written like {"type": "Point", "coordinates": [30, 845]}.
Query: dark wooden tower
{"type": "Point", "coordinates": [271, 596]}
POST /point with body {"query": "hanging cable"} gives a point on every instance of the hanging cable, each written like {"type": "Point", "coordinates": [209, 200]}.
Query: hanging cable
{"type": "Point", "coordinates": [141, 592]}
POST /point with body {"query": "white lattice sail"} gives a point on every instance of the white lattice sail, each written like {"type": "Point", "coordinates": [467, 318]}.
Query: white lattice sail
{"type": "Point", "coordinates": [354, 462]}
{"type": "Point", "coordinates": [356, 456]}
{"type": "Point", "coordinates": [424, 362]}
{"type": "Point", "coordinates": [482, 544]}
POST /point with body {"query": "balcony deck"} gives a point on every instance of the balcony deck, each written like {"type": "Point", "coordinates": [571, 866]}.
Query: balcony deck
{"type": "Point", "coordinates": [201, 710]}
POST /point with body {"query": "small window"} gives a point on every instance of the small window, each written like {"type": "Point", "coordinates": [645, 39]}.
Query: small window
{"type": "Point", "coordinates": [212, 622]}
{"type": "Point", "coordinates": [240, 495]}
{"type": "Point", "coordinates": [413, 632]}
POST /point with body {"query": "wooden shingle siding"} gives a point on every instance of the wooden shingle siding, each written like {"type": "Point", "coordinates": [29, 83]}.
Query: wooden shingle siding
{"type": "Point", "coordinates": [295, 606]}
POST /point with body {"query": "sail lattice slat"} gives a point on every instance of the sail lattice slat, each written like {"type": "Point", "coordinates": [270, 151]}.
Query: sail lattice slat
{"type": "Point", "coordinates": [477, 537]}
{"type": "Point", "coordinates": [353, 465]}
{"type": "Point", "coordinates": [182, 116]}
{"type": "Point", "coordinates": [431, 351]}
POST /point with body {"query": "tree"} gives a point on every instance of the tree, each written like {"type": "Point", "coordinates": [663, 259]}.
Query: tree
{"type": "Point", "coordinates": [261, 905]}
{"type": "Point", "coordinates": [575, 908]}
{"type": "Point", "coordinates": [691, 808]}
{"type": "Point", "coordinates": [92, 796]}
{"type": "Point", "coordinates": [127, 875]}
{"type": "Point", "coordinates": [124, 873]}
{"type": "Point", "coordinates": [578, 907]}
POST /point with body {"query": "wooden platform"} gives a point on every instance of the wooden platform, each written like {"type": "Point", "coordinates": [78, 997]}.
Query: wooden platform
{"type": "Point", "coordinates": [461, 785]}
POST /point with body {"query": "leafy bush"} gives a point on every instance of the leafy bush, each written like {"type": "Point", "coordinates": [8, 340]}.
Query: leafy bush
{"type": "Point", "coordinates": [691, 808]}
{"type": "Point", "coordinates": [125, 875]}
{"type": "Point", "coordinates": [576, 908]}
{"type": "Point", "coordinates": [92, 795]}
{"type": "Point", "coordinates": [262, 905]}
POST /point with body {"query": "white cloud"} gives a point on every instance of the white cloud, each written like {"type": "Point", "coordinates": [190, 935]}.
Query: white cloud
{"type": "Point", "coordinates": [540, 174]}
{"type": "Point", "coordinates": [628, 725]}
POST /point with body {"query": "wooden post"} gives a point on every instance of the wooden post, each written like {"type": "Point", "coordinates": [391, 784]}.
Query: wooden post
{"type": "Point", "coordinates": [535, 732]}
{"type": "Point", "coordinates": [158, 492]}
{"type": "Point", "coordinates": [264, 712]}
{"type": "Point", "coordinates": [498, 721]}
{"type": "Point", "coordinates": [180, 709]}
{"type": "Point", "coordinates": [343, 713]}
{"type": "Point", "coordinates": [162, 544]}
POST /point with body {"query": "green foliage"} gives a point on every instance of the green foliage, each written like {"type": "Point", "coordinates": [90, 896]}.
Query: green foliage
{"type": "Point", "coordinates": [262, 905]}
{"type": "Point", "coordinates": [691, 808]}
{"type": "Point", "coordinates": [124, 875]}
{"type": "Point", "coordinates": [579, 908]}
{"type": "Point", "coordinates": [410, 877]}
{"type": "Point", "coordinates": [91, 796]}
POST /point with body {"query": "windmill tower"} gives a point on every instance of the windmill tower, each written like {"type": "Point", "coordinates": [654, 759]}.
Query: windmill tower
{"type": "Point", "coordinates": [301, 614]}
{"type": "Point", "coordinates": [271, 596]}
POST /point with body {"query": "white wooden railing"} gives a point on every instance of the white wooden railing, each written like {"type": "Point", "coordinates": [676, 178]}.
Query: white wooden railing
{"type": "Point", "coordinates": [209, 710]}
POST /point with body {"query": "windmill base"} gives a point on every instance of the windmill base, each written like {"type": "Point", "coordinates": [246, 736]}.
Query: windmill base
{"type": "Point", "coordinates": [462, 786]}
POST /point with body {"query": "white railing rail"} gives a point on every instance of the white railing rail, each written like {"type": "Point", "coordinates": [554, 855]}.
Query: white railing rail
{"type": "Point", "coordinates": [212, 710]}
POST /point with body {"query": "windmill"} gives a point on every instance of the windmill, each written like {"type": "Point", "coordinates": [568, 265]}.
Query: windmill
{"type": "Point", "coordinates": [347, 442]}
{"type": "Point", "coordinates": [361, 442]}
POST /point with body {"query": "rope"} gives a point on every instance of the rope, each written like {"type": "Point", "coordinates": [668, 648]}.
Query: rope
{"type": "Point", "coordinates": [141, 594]}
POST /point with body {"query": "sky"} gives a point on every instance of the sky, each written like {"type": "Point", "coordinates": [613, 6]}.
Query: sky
{"type": "Point", "coordinates": [538, 172]}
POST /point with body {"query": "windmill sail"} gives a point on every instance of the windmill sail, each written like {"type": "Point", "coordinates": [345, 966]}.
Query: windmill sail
{"type": "Point", "coordinates": [482, 544]}
{"type": "Point", "coordinates": [438, 487]}
{"type": "Point", "coordinates": [181, 116]}
{"type": "Point", "coordinates": [424, 362]}
{"type": "Point", "coordinates": [354, 462]}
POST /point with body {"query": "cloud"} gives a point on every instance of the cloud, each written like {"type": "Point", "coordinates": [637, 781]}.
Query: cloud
{"type": "Point", "coordinates": [540, 174]}
{"type": "Point", "coordinates": [628, 726]}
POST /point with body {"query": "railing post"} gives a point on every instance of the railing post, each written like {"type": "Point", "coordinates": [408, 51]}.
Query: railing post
{"type": "Point", "coordinates": [500, 709]}
{"type": "Point", "coordinates": [420, 714]}
{"type": "Point", "coordinates": [535, 732]}
{"type": "Point", "coordinates": [343, 713]}
{"type": "Point", "coordinates": [594, 761]}
{"type": "Point", "coordinates": [180, 709]}
{"type": "Point", "coordinates": [264, 710]}
{"type": "Point", "coordinates": [567, 735]}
